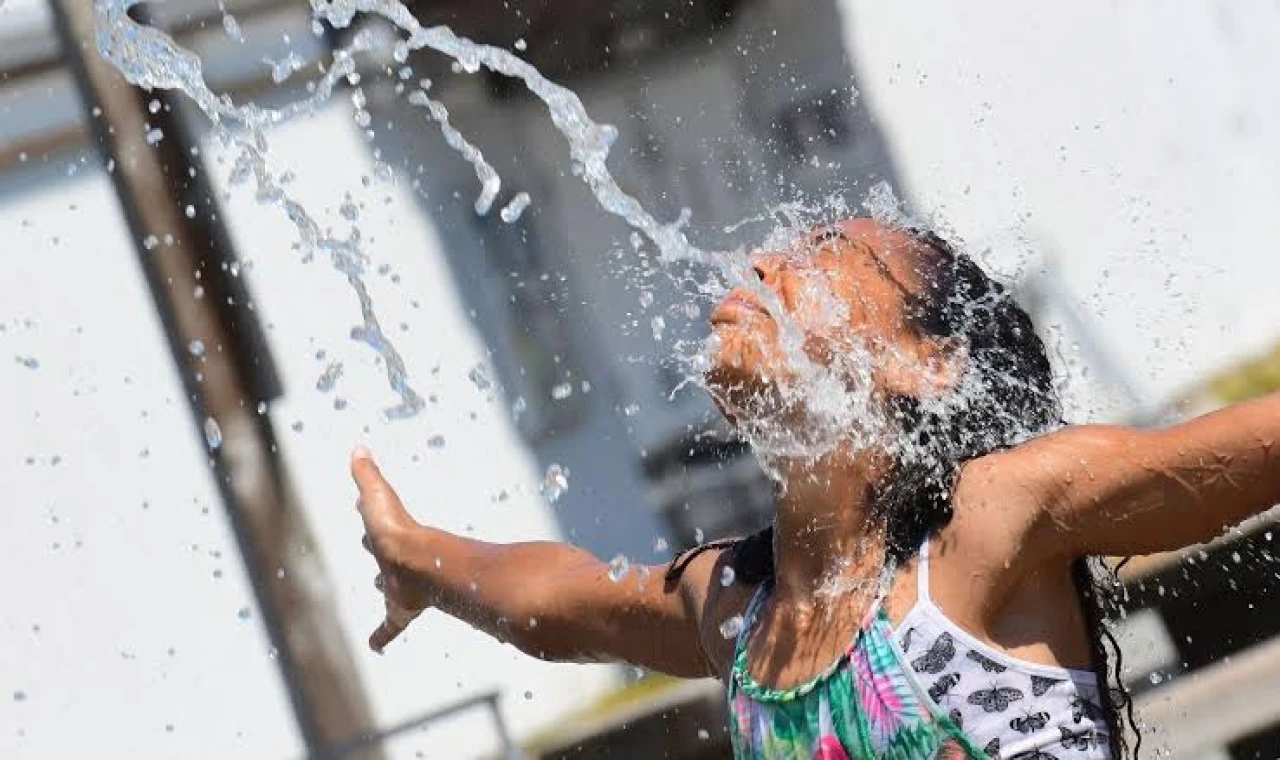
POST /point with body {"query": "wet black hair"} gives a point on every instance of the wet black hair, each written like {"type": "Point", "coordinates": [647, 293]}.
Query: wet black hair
{"type": "Point", "coordinates": [1009, 396]}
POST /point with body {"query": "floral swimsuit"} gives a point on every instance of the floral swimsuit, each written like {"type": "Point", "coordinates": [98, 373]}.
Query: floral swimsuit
{"type": "Point", "coordinates": [867, 706]}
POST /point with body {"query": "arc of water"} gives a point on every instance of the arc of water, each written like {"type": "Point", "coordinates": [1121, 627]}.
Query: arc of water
{"type": "Point", "coordinates": [151, 59]}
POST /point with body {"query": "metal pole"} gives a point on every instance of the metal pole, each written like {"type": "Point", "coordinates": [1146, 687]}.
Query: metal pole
{"type": "Point", "coordinates": [488, 700]}
{"type": "Point", "coordinates": [189, 267]}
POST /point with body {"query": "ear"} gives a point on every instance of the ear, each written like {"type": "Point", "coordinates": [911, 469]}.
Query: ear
{"type": "Point", "coordinates": [927, 366]}
{"type": "Point", "coordinates": [942, 364]}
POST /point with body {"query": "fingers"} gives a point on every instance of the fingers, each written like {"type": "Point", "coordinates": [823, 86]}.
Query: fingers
{"type": "Point", "coordinates": [373, 487]}
{"type": "Point", "coordinates": [383, 635]}
{"type": "Point", "coordinates": [383, 515]}
{"type": "Point", "coordinates": [379, 506]}
{"type": "Point", "coordinates": [396, 620]}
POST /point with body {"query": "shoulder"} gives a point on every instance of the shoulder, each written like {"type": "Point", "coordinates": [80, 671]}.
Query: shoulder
{"type": "Point", "coordinates": [1011, 498]}
{"type": "Point", "coordinates": [714, 603]}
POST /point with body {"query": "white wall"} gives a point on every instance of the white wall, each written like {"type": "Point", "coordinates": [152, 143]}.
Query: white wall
{"type": "Point", "coordinates": [120, 587]}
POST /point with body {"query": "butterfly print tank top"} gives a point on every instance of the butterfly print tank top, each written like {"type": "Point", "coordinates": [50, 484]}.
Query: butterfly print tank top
{"type": "Point", "coordinates": [1013, 709]}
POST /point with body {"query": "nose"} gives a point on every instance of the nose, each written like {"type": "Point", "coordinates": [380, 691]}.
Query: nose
{"type": "Point", "coordinates": [766, 265]}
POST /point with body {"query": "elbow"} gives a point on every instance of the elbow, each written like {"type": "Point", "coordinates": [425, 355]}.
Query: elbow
{"type": "Point", "coordinates": [538, 629]}
{"type": "Point", "coordinates": [528, 633]}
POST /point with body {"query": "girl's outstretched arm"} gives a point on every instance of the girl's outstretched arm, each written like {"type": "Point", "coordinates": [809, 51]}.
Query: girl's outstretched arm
{"type": "Point", "coordinates": [550, 600]}
{"type": "Point", "coordinates": [1122, 491]}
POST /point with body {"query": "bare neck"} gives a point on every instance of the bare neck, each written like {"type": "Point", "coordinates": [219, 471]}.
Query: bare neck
{"type": "Point", "coordinates": [825, 542]}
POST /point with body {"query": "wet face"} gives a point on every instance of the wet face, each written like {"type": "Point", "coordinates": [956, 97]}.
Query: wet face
{"type": "Point", "coordinates": [841, 288]}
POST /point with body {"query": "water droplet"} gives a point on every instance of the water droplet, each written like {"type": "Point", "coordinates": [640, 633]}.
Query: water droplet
{"type": "Point", "coordinates": [561, 391]}
{"type": "Point", "coordinates": [232, 27]}
{"type": "Point", "coordinates": [618, 567]}
{"type": "Point", "coordinates": [262, 408]}
{"type": "Point", "coordinates": [190, 211]}
{"type": "Point", "coordinates": [698, 535]}
{"type": "Point", "coordinates": [646, 299]}
{"type": "Point", "coordinates": [298, 426]}
{"type": "Point", "coordinates": [731, 627]}
{"type": "Point", "coordinates": [154, 106]}
{"type": "Point", "coordinates": [196, 347]}
{"type": "Point", "coordinates": [659, 325]}
{"type": "Point", "coordinates": [659, 544]}
{"type": "Point", "coordinates": [30, 362]}
{"type": "Point", "coordinates": [244, 613]}
{"type": "Point", "coordinates": [528, 695]}
{"type": "Point", "coordinates": [521, 45]}
{"type": "Point", "coordinates": [329, 377]}
{"type": "Point", "coordinates": [515, 208]}
{"type": "Point", "coordinates": [703, 735]}
{"type": "Point", "coordinates": [154, 136]}
{"type": "Point", "coordinates": [212, 434]}
{"type": "Point", "coordinates": [726, 576]}
{"type": "Point", "coordinates": [555, 483]}
{"type": "Point", "coordinates": [479, 377]}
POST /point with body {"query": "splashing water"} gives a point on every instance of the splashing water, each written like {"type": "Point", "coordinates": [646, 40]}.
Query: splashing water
{"type": "Point", "coordinates": [212, 434]}
{"type": "Point", "coordinates": [329, 378]}
{"type": "Point", "coordinates": [837, 397]}
{"type": "Point", "coordinates": [152, 60]}
{"type": "Point", "coordinates": [490, 182]}
{"type": "Point", "coordinates": [732, 627]}
{"type": "Point", "coordinates": [618, 567]}
{"type": "Point", "coordinates": [515, 208]}
{"type": "Point", "coordinates": [555, 482]}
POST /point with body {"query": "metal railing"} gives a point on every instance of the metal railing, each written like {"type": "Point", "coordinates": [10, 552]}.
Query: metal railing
{"type": "Point", "coordinates": [506, 746]}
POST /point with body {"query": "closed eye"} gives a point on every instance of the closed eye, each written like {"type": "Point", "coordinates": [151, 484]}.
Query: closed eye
{"type": "Point", "coordinates": [825, 235]}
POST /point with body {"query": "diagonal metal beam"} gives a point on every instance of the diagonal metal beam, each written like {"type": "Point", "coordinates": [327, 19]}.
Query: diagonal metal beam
{"type": "Point", "coordinates": [186, 256]}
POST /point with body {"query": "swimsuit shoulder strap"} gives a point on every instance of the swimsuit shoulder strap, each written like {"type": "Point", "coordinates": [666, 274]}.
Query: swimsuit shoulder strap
{"type": "Point", "coordinates": [922, 574]}
{"type": "Point", "coordinates": [753, 611]}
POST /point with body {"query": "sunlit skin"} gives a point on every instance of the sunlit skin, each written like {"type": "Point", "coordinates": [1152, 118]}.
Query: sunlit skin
{"type": "Point", "coordinates": [867, 270]}
{"type": "Point", "coordinates": [1001, 567]}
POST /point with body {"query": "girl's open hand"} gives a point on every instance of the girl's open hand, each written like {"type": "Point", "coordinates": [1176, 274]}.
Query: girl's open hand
{"type": "Point", "coordinates": [390, 534]}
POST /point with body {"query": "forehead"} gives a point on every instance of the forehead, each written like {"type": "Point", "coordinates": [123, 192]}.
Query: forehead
{"type": "Point", "coordinates": [895, 253]}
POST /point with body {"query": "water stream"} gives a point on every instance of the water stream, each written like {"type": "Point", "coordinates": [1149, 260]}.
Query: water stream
{"type": "Point", "coordinates": [151, 59]}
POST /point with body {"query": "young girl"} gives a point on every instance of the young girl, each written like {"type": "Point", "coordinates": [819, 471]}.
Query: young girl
{"type": "Point", "coordinates": [922, 592]}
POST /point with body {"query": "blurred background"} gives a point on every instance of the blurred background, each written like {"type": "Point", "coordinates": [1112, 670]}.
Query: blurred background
{"type": "Point", "coordinates": [180, 569]}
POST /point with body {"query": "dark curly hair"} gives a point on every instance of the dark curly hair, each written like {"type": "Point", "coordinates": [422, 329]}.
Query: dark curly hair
{"type": "Point", "coordinates": [1009, 396]}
